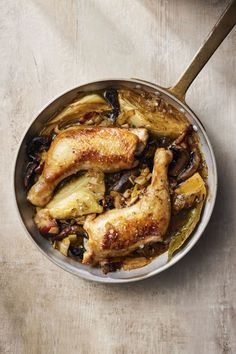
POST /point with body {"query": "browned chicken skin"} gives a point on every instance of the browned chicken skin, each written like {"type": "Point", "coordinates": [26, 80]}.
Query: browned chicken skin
{"type": "Point", "coordinates": [118, 232]}
{"type": "Point", "coordinates": [79, 148]}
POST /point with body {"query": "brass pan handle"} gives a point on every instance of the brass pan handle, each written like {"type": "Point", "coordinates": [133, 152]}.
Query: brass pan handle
{"type": "Point", "coordinates": [219, 32]}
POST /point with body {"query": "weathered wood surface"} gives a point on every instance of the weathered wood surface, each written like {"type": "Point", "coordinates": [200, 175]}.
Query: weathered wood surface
{"type": "Point", "coordinates": [47, 47]}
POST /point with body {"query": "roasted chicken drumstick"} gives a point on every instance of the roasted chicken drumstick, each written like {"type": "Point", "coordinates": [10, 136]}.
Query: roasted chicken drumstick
{"type": "Point", "coordinates": [79, 148]}
{"type": "Point", "coordinates": [118, 232]}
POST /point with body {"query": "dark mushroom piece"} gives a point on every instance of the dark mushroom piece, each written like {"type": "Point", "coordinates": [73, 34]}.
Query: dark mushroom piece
{"type": "Point", "coordinates": [184, 163]}
{"type": "Point", "coordinates": [37, 145]}
{"type": "Point", "coordinates": [148, 154]}
{"type": "Point", "coordinates": [76, 252]}
{"type": "Point", "coordinates": [31, 170]}
{"type": "Point", "coordinates": [124, 182]}
{"type": "Point", "coordinates": [191, 168]}
{"type": "Point", "coordinates": [35, 166]}
{"type": "Point", "coordinates": [111, 96]}
{"type": "Point", "coordinates": [180, 160]}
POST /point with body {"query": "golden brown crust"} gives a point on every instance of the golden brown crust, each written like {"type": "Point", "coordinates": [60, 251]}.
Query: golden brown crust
{"type": "Point", "coordinates": [138, 230]}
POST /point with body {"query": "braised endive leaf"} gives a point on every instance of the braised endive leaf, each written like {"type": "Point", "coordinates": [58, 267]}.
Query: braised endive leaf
{"type": "Point", "coordinates": [142, 112]}
{"type": "Point", "coordinates": [77, 111]}
{"type": "Point", "coordinates": [78, 197]}
{"type": "Point", "coordinates": [182, 235]}
{"type": "Point", "coordinates": [191, 191]}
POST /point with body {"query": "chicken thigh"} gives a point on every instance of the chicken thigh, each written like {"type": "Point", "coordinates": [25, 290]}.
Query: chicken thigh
{"type": "Point", "coordinates": [82, 148]}
{"type": "Point", "coordinates": [118, 232]}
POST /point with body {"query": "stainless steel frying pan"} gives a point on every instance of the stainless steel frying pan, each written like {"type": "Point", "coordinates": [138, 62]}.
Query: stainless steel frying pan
{"type": "Point", "coordinates": [174, 95]}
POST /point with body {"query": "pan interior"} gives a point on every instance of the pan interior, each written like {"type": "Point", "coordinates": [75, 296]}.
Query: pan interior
{"type": "Point", "coordinates": [26, 211]}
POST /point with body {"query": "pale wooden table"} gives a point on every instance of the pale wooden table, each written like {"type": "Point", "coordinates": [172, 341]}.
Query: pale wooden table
{"type": "Point", "coordinates": [48, 47]}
